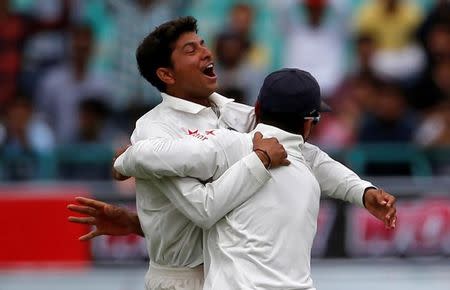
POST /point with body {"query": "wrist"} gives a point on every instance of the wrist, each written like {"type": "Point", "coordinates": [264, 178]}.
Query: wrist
{"type": "Point", "coordinates": [264, 157]}
{"type": "Point", "coordinates": [364, 194]}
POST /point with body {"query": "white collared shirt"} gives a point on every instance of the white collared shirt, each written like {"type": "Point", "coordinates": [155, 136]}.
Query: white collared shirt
{"type": "Point", "coordinates": [266, 242]}
{"type": "Point", "coordinates": [172, 238]}
{"type": "Point", "coordinates": [173, 210]}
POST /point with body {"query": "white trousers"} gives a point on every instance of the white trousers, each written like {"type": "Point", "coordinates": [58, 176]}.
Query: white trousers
{"type": "Point", "coordinates": [170, 278]}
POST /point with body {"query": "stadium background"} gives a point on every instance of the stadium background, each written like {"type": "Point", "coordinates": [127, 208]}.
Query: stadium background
{"type": "Point", "coordinates": [70, 94]}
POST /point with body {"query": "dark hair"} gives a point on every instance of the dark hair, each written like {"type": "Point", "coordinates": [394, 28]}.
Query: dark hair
{"type": "Point", "coordinates": [156, 49]}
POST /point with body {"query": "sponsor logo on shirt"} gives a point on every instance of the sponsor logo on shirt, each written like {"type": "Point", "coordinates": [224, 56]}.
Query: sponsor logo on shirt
{"type": "Point", "coordinates": [202, 136]}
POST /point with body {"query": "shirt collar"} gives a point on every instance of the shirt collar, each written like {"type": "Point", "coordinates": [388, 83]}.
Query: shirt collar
{"type": "Point", "coordinates": [191, 107]}
{"type": "Point", "coordinates": [291, 142]}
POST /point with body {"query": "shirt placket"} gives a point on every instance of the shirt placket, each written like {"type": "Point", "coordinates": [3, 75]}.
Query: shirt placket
{"type": "Point", "coordinates": [211, 121]}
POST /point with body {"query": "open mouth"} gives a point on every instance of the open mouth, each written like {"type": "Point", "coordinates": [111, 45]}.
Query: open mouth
{"type": "Point", "coordinates": [209, 71]}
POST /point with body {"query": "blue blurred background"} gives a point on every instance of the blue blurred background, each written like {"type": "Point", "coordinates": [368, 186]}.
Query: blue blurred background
{"type": "Point", "coordinates": [70, 94]}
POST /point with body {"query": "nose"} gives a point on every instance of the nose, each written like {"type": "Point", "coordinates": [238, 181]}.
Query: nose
{"type": "Point", "coordinates": [207, 54]}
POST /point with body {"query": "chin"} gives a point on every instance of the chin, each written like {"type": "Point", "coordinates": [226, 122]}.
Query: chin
{"type": "Point", "coordinates": [212, 88]}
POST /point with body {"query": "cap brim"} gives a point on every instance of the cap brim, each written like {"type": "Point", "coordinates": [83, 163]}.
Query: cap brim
{"type": "Point", "coordinates": [324, 107]}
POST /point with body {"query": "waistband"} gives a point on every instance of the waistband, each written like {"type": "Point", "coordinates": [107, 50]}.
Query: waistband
{"type": "Point", "coordinates": [176, 272]}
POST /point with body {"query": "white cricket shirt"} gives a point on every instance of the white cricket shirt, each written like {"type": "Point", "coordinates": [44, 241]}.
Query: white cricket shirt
{"type": "Point", "coordinates": [266, 242]}
{"type": "Point", "coordinates": [173, 210]}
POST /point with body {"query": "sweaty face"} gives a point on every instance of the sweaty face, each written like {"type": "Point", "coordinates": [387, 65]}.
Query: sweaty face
{"type": "Point", "coordinates": [193, 68]}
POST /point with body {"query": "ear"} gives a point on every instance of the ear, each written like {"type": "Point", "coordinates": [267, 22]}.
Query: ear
{"type": "Point", "coordinates": [165, 75]}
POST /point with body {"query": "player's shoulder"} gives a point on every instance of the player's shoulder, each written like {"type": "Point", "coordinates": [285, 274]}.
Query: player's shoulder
{"type": "Point", "coordinates": [239, 116]}
{"type": "Point", "coordinates": [239, 107]}
{"type": "Point", "coordinates": [313, 153]}
{"type": "Point", "coordinates": [156, 115]}
{"type": "Point", "coordinates": [153, 124]}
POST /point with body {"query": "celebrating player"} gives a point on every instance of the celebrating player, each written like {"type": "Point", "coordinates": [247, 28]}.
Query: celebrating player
{"type": "Point", "coordinates": [173, 210]}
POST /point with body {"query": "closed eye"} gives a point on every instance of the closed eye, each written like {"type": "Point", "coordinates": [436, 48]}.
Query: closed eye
{"type": "Point", "coordinates": [189, 48]}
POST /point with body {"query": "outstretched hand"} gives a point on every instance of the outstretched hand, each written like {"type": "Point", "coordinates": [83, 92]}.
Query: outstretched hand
{"type": "Point", "coordinates": [108, 219]}
{"type": "Point", "coordinates": [382, 206]}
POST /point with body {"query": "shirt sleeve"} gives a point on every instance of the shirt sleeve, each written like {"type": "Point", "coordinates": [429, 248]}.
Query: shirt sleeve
{"type": "Point", "coordinates": [335, 180]}
{"type": "Point", "coordinates": [190, 156]}
{"type": "Point", "coordinates": [205, 204]}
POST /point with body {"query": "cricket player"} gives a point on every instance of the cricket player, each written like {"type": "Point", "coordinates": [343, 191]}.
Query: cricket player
{"type": "Point", "coordinates": [266, 242]}
{"type": "Point", "coordinates": [173, 210]}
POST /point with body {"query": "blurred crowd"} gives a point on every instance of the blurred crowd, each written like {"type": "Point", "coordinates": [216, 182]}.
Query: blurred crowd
{"type": "Point", "coordinates": [68, 76]}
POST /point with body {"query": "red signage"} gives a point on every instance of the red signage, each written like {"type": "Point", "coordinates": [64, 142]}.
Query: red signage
{"type": "Point", "coordinates": [35, 229]}
{"type": "Point", "coordinates": [423, 228]}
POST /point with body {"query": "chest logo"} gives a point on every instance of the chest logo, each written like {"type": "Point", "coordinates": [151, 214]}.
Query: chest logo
{"type": "Point", "coordinates": [196, 134]}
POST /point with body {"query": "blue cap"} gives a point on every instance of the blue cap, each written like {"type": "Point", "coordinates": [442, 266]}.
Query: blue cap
{"type": "Point", "coordinates": [291, 91]}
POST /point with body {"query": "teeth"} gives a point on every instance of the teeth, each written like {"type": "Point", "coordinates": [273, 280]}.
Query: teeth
{"type": "Point", "coordinates": [210, 66]}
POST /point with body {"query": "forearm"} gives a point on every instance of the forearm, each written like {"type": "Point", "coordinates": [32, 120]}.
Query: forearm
{"type": "Point", "coordinates": [336, 180]}
{"type": "Point", "coordinates": [206, 204]}
{"type": "Point", "coordinates": [183, 157]}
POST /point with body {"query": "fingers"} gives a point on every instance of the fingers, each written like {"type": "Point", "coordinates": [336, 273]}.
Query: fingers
{"type": "Point", "coordinates": [120, 150]}
{"type": "Point", "coordinates": [257, 137]}
{"type": "Point", "coordinates": [82, 209]}
{"type": "Point", "coordinates": [380, 198]}
{"type": "Point", "coordinates": [393, 222]}
{"type": "Point", "coordinates": [285, 155]}
{"type": "Point", "coordinates": [285, 162]}
{"type": "Point", "coordinates": [90, 202]}
{"type": "Point", "coordinates": [391, 215]}
{"type": "Point", "coordinates": [390, 200]}
{"type": "Point", "coordinates": [89, 236]}
{"type": "Point", "coordinates": [82, 220]}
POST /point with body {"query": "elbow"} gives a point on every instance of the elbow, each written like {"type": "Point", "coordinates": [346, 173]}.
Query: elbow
{"type": "Point", "coordinates": [205, 223]}
{"type": "Point", "coordinates": [203, 218]}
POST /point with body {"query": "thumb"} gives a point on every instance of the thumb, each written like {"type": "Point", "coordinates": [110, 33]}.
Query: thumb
{"type": "Point", "coordinates": [257, 137]}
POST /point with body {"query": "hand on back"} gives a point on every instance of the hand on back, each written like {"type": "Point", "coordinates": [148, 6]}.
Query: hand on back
{"type": "Point", "coordinates": [271, 153]}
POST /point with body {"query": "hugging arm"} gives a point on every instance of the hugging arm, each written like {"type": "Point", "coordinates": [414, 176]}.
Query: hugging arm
{"type": "Point", "coordinates": [204, 204]}
{"type": "Point", "coordinates": [338, 181]}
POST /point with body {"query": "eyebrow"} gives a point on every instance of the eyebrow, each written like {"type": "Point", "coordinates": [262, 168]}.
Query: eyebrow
{"type": "Point", "coordinates": [202, 41]}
